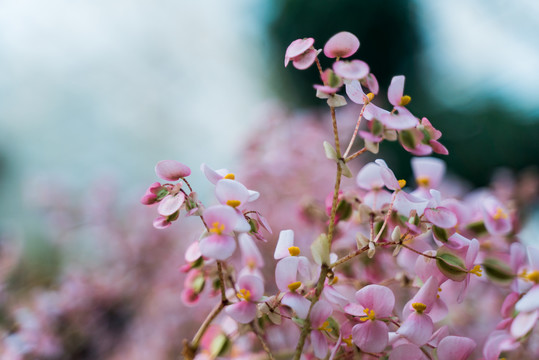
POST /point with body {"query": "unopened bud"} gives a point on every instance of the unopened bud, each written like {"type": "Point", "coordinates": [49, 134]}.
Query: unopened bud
{"type": "Point", "coordinates": [396, 234]}
{"type": "Point", "coordinates": [372, 250]}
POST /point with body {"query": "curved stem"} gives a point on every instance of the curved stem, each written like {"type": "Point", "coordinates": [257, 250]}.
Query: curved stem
{"type": "Point", "coordinates": [355, 131]}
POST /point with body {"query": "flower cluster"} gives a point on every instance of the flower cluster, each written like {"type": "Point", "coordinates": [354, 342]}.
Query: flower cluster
{"type": "Point", "coordinates": [390, 261]}
{"type": "Point", "coordinates": [419, 250]}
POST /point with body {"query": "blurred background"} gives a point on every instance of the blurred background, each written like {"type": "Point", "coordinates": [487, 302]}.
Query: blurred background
{"type": "Point", "coordinates": [94, 93]}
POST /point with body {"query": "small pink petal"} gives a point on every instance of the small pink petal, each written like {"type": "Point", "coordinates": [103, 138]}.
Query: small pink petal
{"type": "Point", "coordinates": [286, 272]}
{"type": "Point", "coordinates": [372, 84]}
{"type": "Point", "coordinates": [355, 92]}
{"type": "Point", "coordinates": [371, 336]}
{"type": "Point", "coordinates": [430, 168]}
{"type": "Point", "coordinates": [455, 348]}
{"type": "Point", "coordinates": [252, 283]}
{"type": "Point", "coordinates": [523, 323]}
{"type": "Point", "coordinates": [192, 253]}
{"type": "Point", "coordinates": [438, 148]}
{"type": "Point", "coordinates": [369, 177]}
{"type": "Point", "coordinates": [213, 175]}
{"type": "Point", "coordinates": [161, 222]}
{"type": "Point", "coordinates": [390, 181]}
{"type": "Point", "coordinates": [354, 309]}
{"type": "Point", "coordinates": [222, 214]}
{"type": "Point", "coordinates": [396, 90]}
{"type": "Point", "coordinates": [419, 150]}
{"type": "Point", "coordinates": [508, 304]}
{"type": "Point", "coordinates": [352, 70]}
{"type": "Point", "coordinates": [441, 217]}
{"type": "Point", "coordinates": [171, 170]}
{"type": "Point", "coordinates": [370, 137]}
{"type": "Point", "coordinates": [170, 204]}
{"type": "Point", "coordinates": [399, 121]}
{"type": "Point", "coordinates": [227, 189]}
{"type": "Point", "coordinates": [297, 47]}
{"type": "Point", "coordinates": [427, 293]}
{"type": "Point", "coordinates": [320, 312]}
{"type": "Point", "coordinates": [305, 60]}
{"type": "Point", "coordinates": [530, 300]}
{"type": "Point", "coordinates": [219, 247]}
{"type": "Point", "coordinates": [189, 297]}
{"type": "Point", "coordinates": [320, 344]}
{"type": "Point", "coordinates": [407, 352]}
{"type": "Point", "coordinates": [417, 328]}
{"type": "Point", "coordinates": [343, 45]}
{"type": "Point", "coordinates": [326, 89]}
{"type": "Point", "coordinates": [251, 255]}
{"type": "Point", "coordinates": [378, 298]}
{"type": "Point", "coordinates": [286, 240]}
{"type": "Point", "coordinates": [243, 312]}
{"type": "Point", "coordinates": [298, 303]}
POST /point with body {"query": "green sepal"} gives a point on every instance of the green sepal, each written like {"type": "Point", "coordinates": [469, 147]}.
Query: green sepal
{"type": "Point", "coordinates": [498, 271]}
{"type": "Point", "coordinates": [450, 265]}
{"type": "Point", "coordinates": [377, 128]}
{"type": "Point", "coordinates": [198, 284]}
{"type": "Point", "coordinates": [440, 233]}
{"type": "Point", "coordinates": [344, 210]}
{"type": "Point", "coordinates": [477, 227]}
{"type": "Point", "coordinates": [407, 138]}
{"type": "Point", "coordinates": [161, 194]}
{"type": "Point", "coordinates": [220, 345]}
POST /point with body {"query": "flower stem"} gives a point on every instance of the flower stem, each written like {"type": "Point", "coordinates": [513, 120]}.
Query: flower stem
{"type": "Point", "coordinates": [355, 131]}
{"type": "Point", "coordinates": [349, 257]}
{"type": "Point", "coordinates": [189, 349]}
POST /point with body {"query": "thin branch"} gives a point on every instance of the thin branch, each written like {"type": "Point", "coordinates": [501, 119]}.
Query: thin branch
{"type": "Point", "coordinates": [355, 131]}
{"type": "Point", "coordinates": [262, 341]}
{"type": "Point", "coordinates": [349, 257]}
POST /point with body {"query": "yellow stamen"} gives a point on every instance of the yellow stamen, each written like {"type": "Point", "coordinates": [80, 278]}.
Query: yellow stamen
{"type": "Point", "coordinates": [500, 214]}
{"type": "Point", "coordinates": [533, 276]}
{"type": "Point", "coordinates": [294, 286]}
{"type": "Point", "coordinates": [370, 315]}
{"type": "Point", "coordinates": [217, 228]}
{"type": "Point", "coordinates": [348, 340]}
{"type": "Point", "coordinates": [476, 270]}
{"type": "Point", "coordinates": [251, 263]}
{"type": "Point", "coordinates": [244, 294]}
{"type": "Point", "coordinates": [325, 327]}
{"type": "Point", "coordinates": [294, 250]}
{"type": "Point", "coordinates": [402, 183]}
{"type": "Point", "coordinates": [423, 181]}
{"type": "Point", "coordinates": [405, 100]}
{"type": "Point", "coordinates": [419, 307]}
{"type": "Point", "coordinates": [370, 96]}
{"type": "Point", "coordinates": [334, 280]}
{"type": "Point", "coordinates": [230, 177]}
{"type": "Point", "coordinates": [233, 203]}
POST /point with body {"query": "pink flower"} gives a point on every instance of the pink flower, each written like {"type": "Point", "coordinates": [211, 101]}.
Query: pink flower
{"type": "Point", "coordinates": [428, 171]}
{"type": "Point", "coordinates": [369, 178]}
{"type": "Point", "coordinates": [319, 314]}
{"type": "Point", "coordinates": [351, 70]}
{"type": "Point", "coordinates": [455, 348]}
{"type": "Point", "coordinates": [496, 217]}
{"type": "Point", "coordinates": [418, 326]}
{"type": "Point", "coordinates": [374, 302]}
{"type": "Point", "coordinates": [250, 291]}
{"type": "Point", "coordinates": [301, 53]}
{"type": "Point", "coordinates": [171, 170]}
{"type": "Point", "coordinates": [341, 45]}
{"type": "Point", "coordinates": [221, 221]}
{"type": "Point", "coordinates": [433, 136]}
{"type": "Point", "coordinates": [438, 215]}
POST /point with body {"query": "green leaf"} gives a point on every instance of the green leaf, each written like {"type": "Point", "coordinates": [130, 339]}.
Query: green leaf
{"type": "Point", "coordinates": [450, 265]}
{"type": "Point", "coordinates": [498, 271]}
{"type": "Point", "coordinates": [440, 233]}
{"type": "Point", "coordinates": [407, 139]}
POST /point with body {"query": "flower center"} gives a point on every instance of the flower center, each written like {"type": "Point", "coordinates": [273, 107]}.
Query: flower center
{"type": "Point", "coordinates": [402, 183]}
{"type": "Point", "coordinates": [370, 314]}
{"type": "Point", "coordinates": [405, 100]}
{"type": "Point", "coordinates": [533, 276]}
{"type": "Point", "coordinates": [499, 214]}
{"type": "Point", "coordinates": [423, 181]}
{"type": "Point", "coordinates": [230, 177]}
{"type": "Point", "coordinates": [325, 327]}
{"type": "Point", "coordinates": [244, 294]}
{"type": "Point", "coordinates": [348, 340]}
{"type": "Point", "coordinates": [419, 307]}
{"type": "Point", "coordinates": [294, 250]}
{"type": "Point", "coordinates": [476, 270]}
{"type": "Point", "coordinates": [217, 228]}
{"type": "Point", "coordinates": [294, 286]}
{"type": "Point", "coordinates": [233, 203]}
